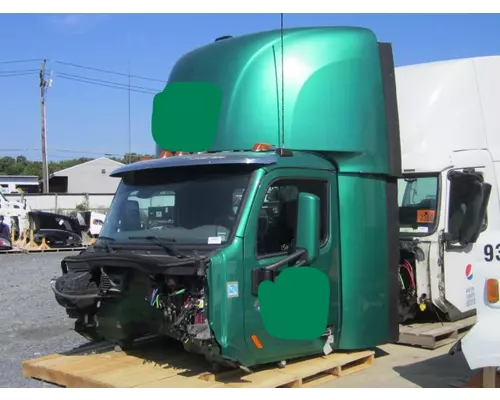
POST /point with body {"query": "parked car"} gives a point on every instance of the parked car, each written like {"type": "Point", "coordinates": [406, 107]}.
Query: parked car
{"type": "Point", "coordinates": [5, 244]}
{"type": "Point", "coordinates": [58, 230]}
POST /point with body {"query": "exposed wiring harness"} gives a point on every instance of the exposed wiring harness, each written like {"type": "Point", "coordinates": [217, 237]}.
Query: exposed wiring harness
{"type": "Point", "coordinates": [401, 281]}
{"type": "Point", "coordinates": [182, 308]}
{"type": "Point", "coordinates": [408, 268]}
{"type": "Point", "coordinates": [155, 297]}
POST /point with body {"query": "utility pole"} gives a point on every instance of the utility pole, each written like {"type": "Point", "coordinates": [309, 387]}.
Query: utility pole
{"type": "Point", "coordinates": [128, 157]}
{"type": "Point", "coordinates": [43, 90]}
{"type": "Point", "coordinates": [129, 119]}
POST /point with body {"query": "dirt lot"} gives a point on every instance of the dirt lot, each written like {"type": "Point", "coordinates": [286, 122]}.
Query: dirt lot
{"type": "Point", "coordinates": [32, 324]}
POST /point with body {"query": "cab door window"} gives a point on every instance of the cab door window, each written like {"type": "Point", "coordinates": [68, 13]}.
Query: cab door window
{"type": "Point", "coordinates": [277, 226]}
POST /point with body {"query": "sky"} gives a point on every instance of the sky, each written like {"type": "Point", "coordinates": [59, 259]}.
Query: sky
{"type": "Point", "coordinates": [92, 119]}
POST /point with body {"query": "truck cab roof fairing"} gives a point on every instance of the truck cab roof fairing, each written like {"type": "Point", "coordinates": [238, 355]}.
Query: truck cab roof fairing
{"type": "Point", "coordinates": [198, 159]}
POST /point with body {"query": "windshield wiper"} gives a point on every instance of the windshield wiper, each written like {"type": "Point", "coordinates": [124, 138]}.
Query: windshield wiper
{"type": "Point", "coordinates": [163, 242]}
{"type": "Point", "coordinates": [109, 239]}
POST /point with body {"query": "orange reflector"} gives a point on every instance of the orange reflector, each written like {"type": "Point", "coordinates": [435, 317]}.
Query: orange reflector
{"type": "Point", "coordinates": [492, 290]}
{"type": "Point", "coordinates": [145, 158]}
{"type": "Point", "coordinates": [261, 147]}
{"type": "Point", "coordinates": [257, 342]}
{"type": "Point", "coordinates": [165, 154]}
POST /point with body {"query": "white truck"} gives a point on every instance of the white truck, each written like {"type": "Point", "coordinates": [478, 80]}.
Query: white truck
{"type": "Point", "coordinates": [15, 213]}
{"type": "Point", "coordinates": [449, 114]}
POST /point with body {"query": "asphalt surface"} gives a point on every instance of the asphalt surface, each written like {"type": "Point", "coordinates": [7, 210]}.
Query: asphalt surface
{"type": "Point", "coordinates": [32, 324]}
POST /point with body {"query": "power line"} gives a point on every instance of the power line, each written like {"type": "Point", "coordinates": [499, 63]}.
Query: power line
{"type": "Point", "coordinates": [80, 78]}
{"type": "Point", "coordinates": [87, 80]}
{"type": "Point", "coordinates": [21, 61]}
{"type": "Point", "coordinates": [83, 79]}
{"type": "Point", "coordinates": [12, 150]}
{"type": "Point", "coordinates": [104, 81]}
{"type": "Point", "coordinates": [15, 71]}
{"type": "Point", "coordinates": [17, 74]}
{"type": "Point", "coordinates": [69, 64]}
{"type": "Point", "coordinates": [107, 71]}
{"type": "Point", "coordinates": [44, 84]}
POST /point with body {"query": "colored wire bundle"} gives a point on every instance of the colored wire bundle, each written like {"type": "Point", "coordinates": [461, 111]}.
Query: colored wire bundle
{"type": "Point", "coordinates": [408, 268]}
{"type": "Point", "coordinates": [155, 298]}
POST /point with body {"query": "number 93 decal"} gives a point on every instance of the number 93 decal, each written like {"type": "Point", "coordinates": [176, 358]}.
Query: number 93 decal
{"type": "Point", "coordinates": [492, 252]}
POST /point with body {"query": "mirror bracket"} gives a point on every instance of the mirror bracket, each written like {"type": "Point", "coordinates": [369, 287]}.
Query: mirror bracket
{"type": "Point", "coordinates": [260, 275]}
{"type": "Point", "coordinates": [270, 272]}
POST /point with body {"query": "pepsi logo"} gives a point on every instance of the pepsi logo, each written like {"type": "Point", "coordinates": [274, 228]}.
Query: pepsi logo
{"type": "Point", "coordinates": [468, 272]}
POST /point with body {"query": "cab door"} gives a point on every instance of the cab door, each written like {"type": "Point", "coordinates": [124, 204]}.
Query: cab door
{"type": "Point", "coordinates": [269, 237]}
{"type": "Point", "coordinates": [460, 259]}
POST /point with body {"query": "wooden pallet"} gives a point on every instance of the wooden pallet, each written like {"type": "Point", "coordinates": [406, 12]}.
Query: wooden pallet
{"type": "Point", "coordinates": [156, 366]}
{"type": "Point", "coordinates": [478, 381]}
{"type": "Point", "coordinates": [435, 334]}
{"type": "Point", "coordinates": [49, 250]}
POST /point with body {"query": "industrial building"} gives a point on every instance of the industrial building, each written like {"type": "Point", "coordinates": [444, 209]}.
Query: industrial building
{"type": "Point", "coordinates": [18, 184]}
{"type": "Point", "coordinates": [89, 177]}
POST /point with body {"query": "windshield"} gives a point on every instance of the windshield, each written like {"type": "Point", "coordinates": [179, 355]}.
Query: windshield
{"type": "Point", "coordinates": [190, 205]}
{"type": "Point", "coordinates": [418, 198]}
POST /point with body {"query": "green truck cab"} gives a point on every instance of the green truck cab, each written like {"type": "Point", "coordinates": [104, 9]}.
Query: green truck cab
{"type": "Point", "coordinates": [305, 183]}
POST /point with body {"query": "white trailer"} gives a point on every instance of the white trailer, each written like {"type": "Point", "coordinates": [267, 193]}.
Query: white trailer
{"type": "Point", "coordinates": [449, 114]}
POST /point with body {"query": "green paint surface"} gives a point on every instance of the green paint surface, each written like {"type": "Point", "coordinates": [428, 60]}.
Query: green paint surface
{"type": "Point", "coordinates": [296, 305]}
{"type": "Point", "coordinates": [186, 116]}
{"type": "Point", "coordinates": [334, 104]}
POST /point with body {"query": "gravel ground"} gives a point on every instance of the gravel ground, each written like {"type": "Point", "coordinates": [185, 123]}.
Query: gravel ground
{"type": "Point", "coordinates": [31, 322]}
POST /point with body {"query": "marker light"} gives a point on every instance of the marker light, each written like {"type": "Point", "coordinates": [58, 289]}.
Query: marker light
{"type": "Point", "coordinates": [261, 147]}
{"type": "Point", "coordinates": [145, 158]}
{"type": "Point", "coordinates": [181, 153]}
{"type": "Point", "coordinates": [165, 154]}
{"type": "Point", "coordinates": [257, 342]}
{"type": "Point", "coordinates": [492, 290]}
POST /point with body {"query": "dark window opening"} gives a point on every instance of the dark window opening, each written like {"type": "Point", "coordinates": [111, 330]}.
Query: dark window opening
{"type": "Point", "coordinates": [277, 227]}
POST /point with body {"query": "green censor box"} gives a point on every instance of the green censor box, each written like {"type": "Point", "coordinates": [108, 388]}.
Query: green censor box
{"type": "Point", "coordinates": [295, 306]}
{"type": "Point", "coordinates": [186, 116]}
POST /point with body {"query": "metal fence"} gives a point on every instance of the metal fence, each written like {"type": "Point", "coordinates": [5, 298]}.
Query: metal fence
{"type": "Point", "coordinates": [65, 202]}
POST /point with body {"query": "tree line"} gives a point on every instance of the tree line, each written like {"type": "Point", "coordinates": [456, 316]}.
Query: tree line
{"type": "Point", "coordinates": [20, 165]}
